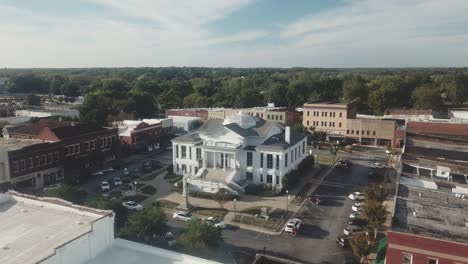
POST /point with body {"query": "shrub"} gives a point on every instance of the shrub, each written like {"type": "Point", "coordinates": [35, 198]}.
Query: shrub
{"type": "Point", "coordinates": [148, 190]}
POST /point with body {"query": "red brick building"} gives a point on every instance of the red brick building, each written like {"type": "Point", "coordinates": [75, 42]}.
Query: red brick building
{"type": "Point", "coordinates": [429, 225]}
{"type": "Point", "coordinates": [193, 112]}
{"type": "Point", "coordinates": [416, 249]}
{"type": "Point", "coordinates": [58, 150]}
{"type": "Point", "coordinates": [141, 135]}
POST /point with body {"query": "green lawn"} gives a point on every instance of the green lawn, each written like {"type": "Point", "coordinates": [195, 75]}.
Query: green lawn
{"type": "Point", "coordinates": [204, 212]}
{"type": "Point", "coordinates": [325, 159]}
{"type": "Point", "coordinates": [270, 224]}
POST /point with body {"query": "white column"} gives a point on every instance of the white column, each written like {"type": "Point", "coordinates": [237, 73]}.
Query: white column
{"type": "Point", "coordinates": [214, 160]}
{"type": "Point", "coordinates": [204, 159]}
{"type": "Point", "coordinates": [174, 166]}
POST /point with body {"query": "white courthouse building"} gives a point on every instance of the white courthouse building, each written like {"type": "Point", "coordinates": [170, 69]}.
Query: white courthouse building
{"type": "Point", "coordinates": [236, 151]}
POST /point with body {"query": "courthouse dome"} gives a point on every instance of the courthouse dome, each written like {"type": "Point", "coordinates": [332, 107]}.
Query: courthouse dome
{"type": "Point", "coordinates": [243, 119]}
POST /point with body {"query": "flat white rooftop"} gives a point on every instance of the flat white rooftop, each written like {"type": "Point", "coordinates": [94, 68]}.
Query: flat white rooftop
{"type": "Point", "coordinates": [128, 252]}
{"type": "Point", "coordinates": [32, 228]}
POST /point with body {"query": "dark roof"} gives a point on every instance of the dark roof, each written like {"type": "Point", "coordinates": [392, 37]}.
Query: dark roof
{"type": "Point", "coordinates": [35, 128]}
{"type": "Point", "coordinates": [76, 130]}
{"type": "Point", "coordinates": [260, 129]}
{"type": "Point", "coordinates": [192, 138]}
{"type": "Point", "coordinates": [278, 141]}
{"type": "Point", "coordinates": [249, 148]}
{"type": "Point", "coordinates": [436, 153]}
{"type": "Point", "coordinates": [210, 125]}
{"type": "Point", "coordinates": [407, 112]}
{"type": "Point", "coordinates": [430, 128]}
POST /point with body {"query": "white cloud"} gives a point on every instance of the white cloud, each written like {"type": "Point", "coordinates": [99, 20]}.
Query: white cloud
{"type": "Point", "coordinates": [357, 33]}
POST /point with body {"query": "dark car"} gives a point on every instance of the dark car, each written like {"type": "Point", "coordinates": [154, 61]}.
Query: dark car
{"type": "Point", "coordinates": [147, 167]}
{"type": "Point", "coordinates": [315, 199]}
{"type": "Point", "coordinates": [343, 241]}
{"type": "Point", "coordinates": [357, 221]}
{"type": "Point", "coordinates": [136, 173]}
{"type": "Point", "coordinates": [344, 164]}
{"type": "Point", "coordinates": [126, 179]}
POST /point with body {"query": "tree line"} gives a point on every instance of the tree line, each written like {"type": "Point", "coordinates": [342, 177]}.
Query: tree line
{"type": "Point", "coordinates": [112, 94]}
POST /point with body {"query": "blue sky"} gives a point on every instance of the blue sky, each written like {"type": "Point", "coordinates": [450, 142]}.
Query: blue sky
{"type": "Point", "coordinates": [233, 33]}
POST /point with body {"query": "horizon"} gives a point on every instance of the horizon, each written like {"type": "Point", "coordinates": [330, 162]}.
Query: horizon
{"type": "Point", "coordinates": [336, 34]}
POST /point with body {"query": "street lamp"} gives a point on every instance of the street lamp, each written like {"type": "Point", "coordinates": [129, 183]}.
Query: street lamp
{"type": "Point", "coordinates": [235, 211]}
{"type": "Point", "coordinates": [287, 202]}
{"type": "Point", "coordinates": [135, 185]}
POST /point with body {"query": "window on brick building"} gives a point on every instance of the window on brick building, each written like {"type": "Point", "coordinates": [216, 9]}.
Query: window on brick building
{"type": "Point", "coordinates": [339, 124]}
{"type": "Point", "coordinates": [407, 258]}
{"type": "Point", "coordinates": [307, 122]}
{"type": "Point", "coordinates": [432, 261]}
{"type": "Point", "coordinates": [308, 113]}
{"type": "Point", "coordinates": [341, 114]}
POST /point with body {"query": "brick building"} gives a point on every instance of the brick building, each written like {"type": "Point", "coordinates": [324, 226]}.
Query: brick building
{"type": "Point", "coordinates": [192, 112]}
{"type": "Point", "coordinates": [374, 132]}
{"type": "Point", "coordinates": [49, 151]}
{"type": "Point", "coordinates": [330, 117]}
{"type": "Point", "coordinates": [271, 113]}
{"type": "Point", "coordinates": [429, 225]}
{"type": "Point", "coordinates": [141, 135]}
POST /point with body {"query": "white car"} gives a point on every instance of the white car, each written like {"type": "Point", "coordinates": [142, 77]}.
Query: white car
{"type": "Point", "coordinates": [357, 207]}
{"type": "Point", "coordinates": [182, 216]}
{"type": "Point", "coordinates": [216, 222]}
{"type": "Point", "coordinates": [378, 165]}
{"type": "Point", "coordinates": [133, 206]}
{"type": "Point", "coordinates": [105, 186]}
{"type": "Point", "coordinates": [350, 229]}
{"type": "Point", "coordinates": [118, 181]}
{"type": "Point", "coordinates": [354, 215]}
{"type": "Point", "coordinates": [291, 224]}
{"type": "Point", "coordinates": [107, 169]}
{"type": "Point", "coordinates": [356, 196]}
{"type": "Point", "coordinates": [170, 239]}
{"type": "Point", "coordinates": [97, 173]}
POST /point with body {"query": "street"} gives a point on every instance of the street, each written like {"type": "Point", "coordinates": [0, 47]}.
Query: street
{"type": "Point", "coordinates": [315, 242]}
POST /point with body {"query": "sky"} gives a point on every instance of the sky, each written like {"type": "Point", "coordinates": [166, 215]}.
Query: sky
{"type": "Point", "coordinates": [233, 33]}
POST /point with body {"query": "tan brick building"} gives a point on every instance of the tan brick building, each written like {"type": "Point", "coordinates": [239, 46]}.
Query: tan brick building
{"type": "Point", "coordinates": [329, 117]}
{"type": "Point", "coordinates": [273, 114]}
{"type": "Point", "coordinates": [375, 132]}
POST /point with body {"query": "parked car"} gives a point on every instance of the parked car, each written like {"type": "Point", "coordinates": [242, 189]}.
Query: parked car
{"type": "Point", "coordinates": [126, 172]}
{"type": "Point", "coordinates": [182, 216]}
{"type": "Point", "coordinates": [107, 169]}
{"type": "Point", "coordinates": [97, 173]}
{"type": "Point", "coordinates": [315, 199]}
{"type": "Point", "coordinates": [132, 206]}
{"type": "Point", "coordinates": [291, 224]}
{"type": "Point", "coordinates": [216, 222]}
{"type": "Point", "coordinates": [136, 173]}
{"type": "Point", "coordinates": [117, 181]}
{"type": "Point", "coordinates": [147, 167]}
{"type": "Point", "coordinates": [355, 215]}
{"type": "Point", "coordinates": [105, 186]}
{"type": "Point", "coordinates": [378, 165]}
{"type": "Point", "coordinates": [372, 174]}
{"type": "Point", "coordinates": [357, 221]}
{"type": "Point", "coordinates": [344, 163]}
{"type": "Point", "coordinates": [344, 241]}
{"type": "Point", "coordinates": [170, 239]}
{"type": "Point", "coordinates": [126, 179]}
{"type": "Point", "coordinates": [350, 229]}
{"type": "Point", "coordinates": [356, 196]}
{"type": "Point", "coordinates": [357, 207]}
{"type": "Point", "coordinates": [52, 187]}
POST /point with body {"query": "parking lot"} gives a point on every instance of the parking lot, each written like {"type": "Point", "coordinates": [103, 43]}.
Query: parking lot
{"type": "Point", "coordinates": [315, 241]}
{"type": "Point", "coordinates": [92, 184]}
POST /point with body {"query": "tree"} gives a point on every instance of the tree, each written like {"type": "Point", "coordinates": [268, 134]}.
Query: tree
{"type": "Point", "coordinates": [375, 192]}
{"type": "Point", "coordinates": [121, 213]}
{"type": "Point", "coordinates": [353, 88]}
{"type": "Point", "coordinates": [221, 197]}
{"type": "Point", "coordinates": [148, 223]}
{"type": "Point", "coordinates": [28, 83]}
{"type": "Point", "coordinates": [375, 214]}
{"type": "Point", "coordinates": [426, 97]}
{"type": "Point", "coordinates": [361, 246]}
{"type": "Point", "coordinates": [200, 235]}
{"type": "Point", "coordinates": [333, 149]}
{"type": "Point", "coordinates": [196, 124]}
{"type": "Point", "coordinates": [33, 100]}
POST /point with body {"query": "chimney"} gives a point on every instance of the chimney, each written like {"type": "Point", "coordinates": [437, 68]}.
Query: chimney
{"type": "Point", "coordinates": [287, 135]}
